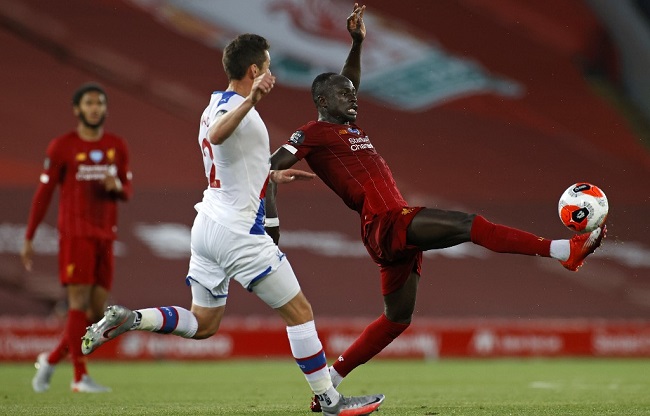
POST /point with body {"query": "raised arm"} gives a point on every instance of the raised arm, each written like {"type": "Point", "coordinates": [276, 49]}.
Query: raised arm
{"type": "Point", "coordinates": [221, 130]}
{"type": "Point", "coordinates": [352, 67]}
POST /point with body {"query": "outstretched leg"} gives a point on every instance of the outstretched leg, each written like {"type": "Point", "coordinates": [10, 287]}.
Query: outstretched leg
{"type": "Point", "coordinates": [434, 229]}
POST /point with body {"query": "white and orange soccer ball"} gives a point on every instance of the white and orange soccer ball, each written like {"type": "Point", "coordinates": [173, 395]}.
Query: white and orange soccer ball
{"type": "Point", "coordinates": [583, 207]}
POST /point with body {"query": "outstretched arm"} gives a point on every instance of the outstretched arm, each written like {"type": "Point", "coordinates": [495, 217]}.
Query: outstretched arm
{"type": "Point", "coordinates": [352, 68]}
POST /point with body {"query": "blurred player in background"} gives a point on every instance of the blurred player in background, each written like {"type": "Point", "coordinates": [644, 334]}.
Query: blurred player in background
{"type": "Point", "coordinates": [228, 239]}
{"type": "Point", "coordinates": [91, 167]}
{"type": "Point", "coordinates": [394, 233]}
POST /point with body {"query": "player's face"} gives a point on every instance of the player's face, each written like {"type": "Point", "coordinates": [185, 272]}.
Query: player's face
{"type": "Point", "coordinates": [266, 66]}
{"type": "Point", "coordinates": [92, 109]}
{"type": "Point", "coordinates": [341, 101]}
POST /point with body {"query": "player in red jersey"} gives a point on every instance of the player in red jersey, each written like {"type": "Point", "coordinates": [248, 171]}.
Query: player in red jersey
{"type": "Point", "coordinates": [91, 168]}
{"type": "Point", "coordinates": [394, 233]}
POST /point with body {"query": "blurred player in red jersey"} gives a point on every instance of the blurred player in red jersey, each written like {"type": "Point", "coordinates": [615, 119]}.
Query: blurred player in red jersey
{"type": "Point", "coordinates": [394, 233]}
{"type": "Point", "coordinates": [91, 167]}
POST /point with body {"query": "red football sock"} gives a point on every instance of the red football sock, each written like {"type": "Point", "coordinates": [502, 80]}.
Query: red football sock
{"type": "Point", "coordinates": [374, 338]}
{"type": "Point", "coordinates": [76, 328]}
{"type": "Point", "coordinates": [504, 239]}
{"type": "Point", "coordinates": [61, 350]}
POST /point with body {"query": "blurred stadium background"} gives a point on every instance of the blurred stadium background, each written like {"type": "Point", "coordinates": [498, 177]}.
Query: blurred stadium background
{"type": "Point", "coordinates": [490, 106]}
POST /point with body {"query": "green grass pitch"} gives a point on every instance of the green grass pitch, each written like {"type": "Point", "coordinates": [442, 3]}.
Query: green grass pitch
{"type": "Point", "coordinates": [539, 387]}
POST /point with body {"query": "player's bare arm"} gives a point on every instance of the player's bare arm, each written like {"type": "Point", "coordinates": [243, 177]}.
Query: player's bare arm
{"type": "Point", "coordinates": [227, 123]}
{"type": "Point", "coordinates": [357, 29]}
{"type": "Point", "coordinates": [27, 254]}
{"type": "Point", "coordinates": [282, 160]}
{"type": "Point", "coordinates": [290, 175]}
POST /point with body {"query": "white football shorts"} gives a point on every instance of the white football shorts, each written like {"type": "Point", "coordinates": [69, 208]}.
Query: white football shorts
{"type": "Point", "coordinates": [220, 253]}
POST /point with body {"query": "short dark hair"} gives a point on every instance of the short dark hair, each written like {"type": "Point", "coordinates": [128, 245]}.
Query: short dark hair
{"type": "Point", "coordinates": [86, 88]}
{"type": "Point", "coordinates": [320, 85]}
{"type": "Point", "coordinates": [242, 52]}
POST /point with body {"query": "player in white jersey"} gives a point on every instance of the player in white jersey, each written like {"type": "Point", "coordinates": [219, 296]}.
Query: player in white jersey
{"type": "Point", "coordinates": [228, 239]}
{"type": "Point", "coordinates": [237, 170]}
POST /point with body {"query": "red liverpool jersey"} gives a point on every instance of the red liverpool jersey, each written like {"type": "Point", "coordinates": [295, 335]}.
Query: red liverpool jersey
{"type": "Point", "coordinates": [345, 159]}
{"type": "Point", "coordinates": [78, 166]}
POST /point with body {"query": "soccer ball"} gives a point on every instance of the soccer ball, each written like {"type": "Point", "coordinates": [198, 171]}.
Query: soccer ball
{"type": "Point", "coordinates": [583, 207]}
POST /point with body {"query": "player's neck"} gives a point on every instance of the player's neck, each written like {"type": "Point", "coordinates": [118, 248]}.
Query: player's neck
{"type": "Point", "coordinates": [90, 134]}
{"type": "Point", "coordinates": [242, 87]}
{"type": "Point", "coordinates": [331, 120]}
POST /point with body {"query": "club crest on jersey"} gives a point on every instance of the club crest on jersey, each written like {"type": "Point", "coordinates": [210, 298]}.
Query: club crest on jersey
{"type": "Point", "coordinates": [406, 211]}
{"type": "Point", "coordinates": [298, 137]}
{"type": "Point", "coordinates": [96, 155]}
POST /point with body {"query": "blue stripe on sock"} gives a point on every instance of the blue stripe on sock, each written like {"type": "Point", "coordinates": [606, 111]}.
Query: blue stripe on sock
{"type": "Point", "coordinates": [312, 364]}
{"type": "Point", "coordinates": [170, 319]}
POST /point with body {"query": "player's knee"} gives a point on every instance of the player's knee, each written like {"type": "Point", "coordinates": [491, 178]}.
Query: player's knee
{"type": "Point", "coordinates": [208, 321]}
{"type": "Point", "coordinates": [206, 330]}
{"type": "Point", "coordinates": [399, 315]}
{"type": "Point", "coordinates": [297, 311]}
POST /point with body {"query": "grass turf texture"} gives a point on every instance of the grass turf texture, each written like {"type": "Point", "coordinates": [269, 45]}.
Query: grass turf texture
{"type": "Point", "coordinates": [448, 387]}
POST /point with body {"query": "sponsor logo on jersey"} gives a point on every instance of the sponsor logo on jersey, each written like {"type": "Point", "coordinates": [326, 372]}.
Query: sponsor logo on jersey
{"type": "Point", "coordinates": [360, 143]}
{"type": "Point", "coordinates": [298, 137]}
{"type": "Point", "coordinates": [354, 131]}
{"type": "Point", "coordinates": [91, 172]}
{"type": "Point", "coordinates": [96, 155]}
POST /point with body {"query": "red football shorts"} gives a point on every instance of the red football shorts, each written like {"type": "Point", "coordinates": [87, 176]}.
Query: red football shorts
{"type": "Point", "coordinates": [384, 236]}
{"type": "Point", "coordinates": [86, 261]}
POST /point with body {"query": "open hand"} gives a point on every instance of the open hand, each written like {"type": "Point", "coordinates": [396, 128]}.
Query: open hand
{"type": "Point", "coordinates": [356, 27]}
{"type": "Point", "coordinates": [290, 175]}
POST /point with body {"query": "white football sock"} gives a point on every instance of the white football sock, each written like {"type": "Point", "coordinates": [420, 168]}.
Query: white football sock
{"type": "Point", "coordinates": [560, 249]}
{"type": "Point", "coordinates": [310, 357]}
{"type": "Point", "coordinates": [168, 320]}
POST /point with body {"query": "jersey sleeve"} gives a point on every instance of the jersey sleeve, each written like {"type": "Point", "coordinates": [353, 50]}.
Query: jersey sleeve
{"type": "Point", "coordinates": [228, 102]}
{"type": "Point", "coordinates": [53, 170]}
{"type": "Point", "coordinates": [302, 142]}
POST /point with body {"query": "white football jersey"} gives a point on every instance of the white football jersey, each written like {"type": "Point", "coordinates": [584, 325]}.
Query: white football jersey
{"type": "Point", "coordinates": [237, 170]}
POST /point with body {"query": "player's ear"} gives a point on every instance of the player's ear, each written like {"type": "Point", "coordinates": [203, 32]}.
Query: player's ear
{"type": "Point", "coordinates": [253, 71]}
{"type": "Point", "coordinates": [75, 110]}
